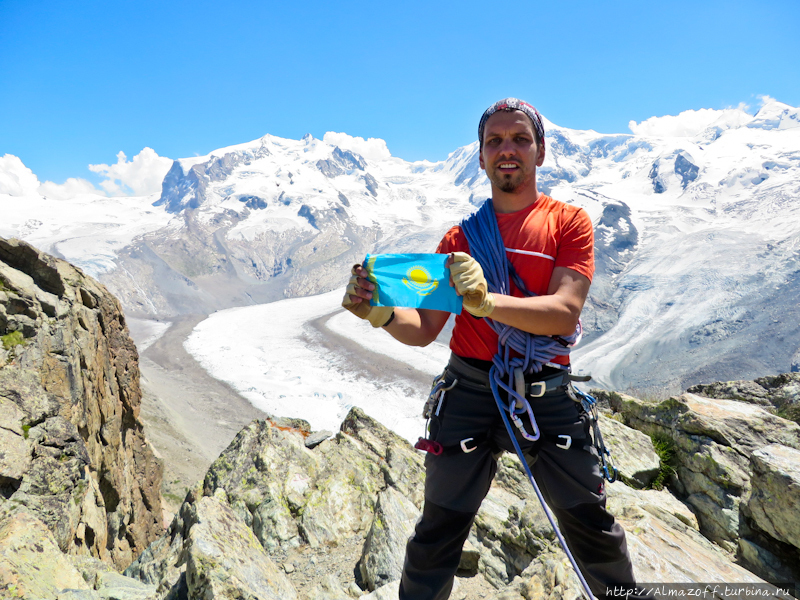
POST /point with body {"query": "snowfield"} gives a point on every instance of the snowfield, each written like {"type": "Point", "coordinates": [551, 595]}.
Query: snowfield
{"type": "Point", "coordinates": [273, 357]}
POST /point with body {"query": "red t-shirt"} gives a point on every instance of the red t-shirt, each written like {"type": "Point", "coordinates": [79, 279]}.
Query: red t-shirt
{"type": "Point", "coordinates": [537, 239]}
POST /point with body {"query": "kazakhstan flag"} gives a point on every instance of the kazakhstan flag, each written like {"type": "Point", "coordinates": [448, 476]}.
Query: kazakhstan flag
{"type": "Point", "coordinates": [412, 281]}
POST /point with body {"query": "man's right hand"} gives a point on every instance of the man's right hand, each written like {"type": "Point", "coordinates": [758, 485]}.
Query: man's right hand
{"type": "Point", "coordinates": [357, 296]}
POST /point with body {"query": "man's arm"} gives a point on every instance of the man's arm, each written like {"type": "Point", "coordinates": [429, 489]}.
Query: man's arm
{"type": "Point", "coordinates": [411, 326]}
{"type": "Point", "coordinates": [416, 326]}
{"type": "Point", "coordinates": [556, 313]}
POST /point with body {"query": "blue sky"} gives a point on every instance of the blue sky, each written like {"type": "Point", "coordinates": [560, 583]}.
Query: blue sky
{"type": "Point", "coordinates": [81, 81]}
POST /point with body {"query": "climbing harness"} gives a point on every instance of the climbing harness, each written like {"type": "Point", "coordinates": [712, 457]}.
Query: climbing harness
{"type": "Point", "coordinates": [535, 351]}
{"type": "Point", "coordinates": [432, 407]}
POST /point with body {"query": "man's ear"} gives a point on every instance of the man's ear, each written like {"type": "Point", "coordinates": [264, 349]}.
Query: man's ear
{"type": "Point", "coordinates": [480, 160]}
{"type": "Point", "coordinates": [540, 158]}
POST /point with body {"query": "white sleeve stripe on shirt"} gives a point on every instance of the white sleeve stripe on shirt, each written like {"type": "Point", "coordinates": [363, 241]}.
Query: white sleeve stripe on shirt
{"type": "Point", "coordinates": [529, 253]}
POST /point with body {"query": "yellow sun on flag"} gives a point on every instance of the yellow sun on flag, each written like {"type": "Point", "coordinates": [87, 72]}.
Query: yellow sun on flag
{"type": "Point", "coordinates": [420, 281]}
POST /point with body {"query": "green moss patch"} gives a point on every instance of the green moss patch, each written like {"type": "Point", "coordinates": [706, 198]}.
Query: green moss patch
{"type": "Point", "coordinates": [10, 340]}
{"type": "Point", "coordinates": [664, 446]}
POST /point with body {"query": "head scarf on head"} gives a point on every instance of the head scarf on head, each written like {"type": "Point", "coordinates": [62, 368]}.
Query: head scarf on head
{"type": "Point", "coordinates": [513, 104]}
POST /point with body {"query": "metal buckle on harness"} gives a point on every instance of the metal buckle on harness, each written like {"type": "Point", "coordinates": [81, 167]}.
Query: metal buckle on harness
{"type": "Point", "coordinates": [464, 445]}
{"type": "Point", "coordinates": [542, 388]}
{"type": "Point", "coordinates": [566, 445]}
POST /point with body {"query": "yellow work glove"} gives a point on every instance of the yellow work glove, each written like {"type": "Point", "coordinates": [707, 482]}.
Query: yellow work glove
{"type": "Point", "coordinates": [378, 316]}
{"type": "Point", "coordinates": [470, 283]}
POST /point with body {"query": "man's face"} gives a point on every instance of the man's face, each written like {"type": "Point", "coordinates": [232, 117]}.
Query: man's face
{"type": "Point", "coordinates": [510, 153]}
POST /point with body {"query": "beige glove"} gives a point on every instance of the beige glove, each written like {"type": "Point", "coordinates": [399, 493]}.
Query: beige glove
{"type": "Point", "coordinates": [470, 283]}
{"type": "Point", "coordinates": [378, 316]}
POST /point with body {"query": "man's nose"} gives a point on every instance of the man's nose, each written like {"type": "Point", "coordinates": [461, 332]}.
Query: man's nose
{"type": "Point", "coordinates": [507, 148]}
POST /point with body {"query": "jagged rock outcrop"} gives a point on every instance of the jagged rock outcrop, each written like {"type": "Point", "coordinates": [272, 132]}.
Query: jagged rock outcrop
{"type": "Point", "coordinates": [732, 458]}
{"type": "Point", "coordinates": [74, 457]}
{"type": "Point", "coordinates": [356, 496]}
{"type": "Point", "coordinates": [778, 392]}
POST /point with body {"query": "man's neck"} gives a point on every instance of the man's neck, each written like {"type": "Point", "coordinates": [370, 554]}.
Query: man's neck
{"type": "Point", "coordinates": [505, 202]}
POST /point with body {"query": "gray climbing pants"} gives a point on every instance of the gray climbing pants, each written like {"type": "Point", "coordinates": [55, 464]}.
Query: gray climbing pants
{"type": "Point", "coordinates": [457, 482]}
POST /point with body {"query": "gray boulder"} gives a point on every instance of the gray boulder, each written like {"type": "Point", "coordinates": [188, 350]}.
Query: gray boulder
{"type": "Point", "coordinates": [632, 452]}
{"type": "Point", "coordinates": [774, 502]}
{"type": "Point", "coordinates": [778, 392]}
{"type": "Point", "coordinates": [385, 546]}
{"type": "Point", "coordinates": [31, 563]}
{"type": "Point", "coordinates": [715, 441]}
{"type": "Point", "coordinates": [225, 560]}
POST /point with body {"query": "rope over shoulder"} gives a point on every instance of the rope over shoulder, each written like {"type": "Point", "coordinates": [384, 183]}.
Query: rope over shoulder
{"type": "Point", "coordinates": [507, 372]}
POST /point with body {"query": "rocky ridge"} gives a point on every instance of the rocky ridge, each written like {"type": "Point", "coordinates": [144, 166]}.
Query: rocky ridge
{"type": "Point", "coordinates": [76, 471]}
{"type": "Point", "coordinates": [328, 520]}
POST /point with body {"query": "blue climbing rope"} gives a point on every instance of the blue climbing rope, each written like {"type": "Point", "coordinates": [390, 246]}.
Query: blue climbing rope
{"type": "Point", "coordinates": [534, 351]}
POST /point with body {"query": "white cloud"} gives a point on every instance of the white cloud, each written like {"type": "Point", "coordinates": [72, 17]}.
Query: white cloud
{"type": "Point", "coordinates": [689, 123]}
{"type": "Point", "coordinates": [372, 148]}
{"type": "Point", "coordinates": [15, 178]}
{"type": "Point", "coordinates": [140, 176]}
{"type": "Point", "coordinates": [69, 189]}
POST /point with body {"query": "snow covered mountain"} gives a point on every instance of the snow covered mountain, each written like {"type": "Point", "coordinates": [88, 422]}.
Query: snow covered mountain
{"type": "Point", "coordinates": [697, 223]}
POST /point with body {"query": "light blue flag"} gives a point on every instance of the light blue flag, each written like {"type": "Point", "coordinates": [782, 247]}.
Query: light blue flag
{"type": "Point", "coordinates": [412, 281]}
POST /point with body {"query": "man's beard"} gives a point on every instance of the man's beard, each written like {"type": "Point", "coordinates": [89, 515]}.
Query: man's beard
{"type": "Point", "coordinates": [508, 183]}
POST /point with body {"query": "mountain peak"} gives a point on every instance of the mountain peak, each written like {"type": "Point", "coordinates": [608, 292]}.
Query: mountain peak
{"type": "Point", "coordinates": [775, 115]}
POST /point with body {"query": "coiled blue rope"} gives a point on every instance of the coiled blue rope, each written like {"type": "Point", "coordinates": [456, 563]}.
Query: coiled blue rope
{"type": "Point", "coordinates": [535, 351]}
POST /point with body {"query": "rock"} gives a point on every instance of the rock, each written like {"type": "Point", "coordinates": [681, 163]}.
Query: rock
{"type": "Point", "coordinates": [714, 442]}
{"type": "Point", "coordinates": [385, 546]}
{"type": "Point", "coordinates": [506, 543]}
{"type": "Point", "coordinates": [744, 391]}
{"type": "Point", "coordinates": [664, 540]}
{"type": "Point", "coordinates": [774, 503]}
{"type": "Point", "coordinates": [31, 564]}
{"type": "Point", "coordinates": [225, 560]}
{"type": "Point", "coordinates": [470, 560]}
{"type": "Point", "coordinates": [292, 495]}
{"type": "Point", "coordinates": [781, 392]}
{"type": "Point", "coordinates": [74, 452]}
{"type": "Point", "coordinates": [551, 576]}
{"type": "Point", "coordinates": [315, 439]}
{"type": "Point", "coordinates": [387, 592]}
{"type": "Point", "coordinates": [113, 586]}
{"type": "Point", "coordinates": [332, 490]}
{"type": "Point", "coordinates": [402, 467]}
{"type": "Point", "coordinates": [328, 589]}
{"type": "Point", "coordinates": [632, 452]}
{"type": "Point", "coordinates": [763, 562]}
{"type": "Point", "coordinates": [15, 453]}
{"type": "Point", "coordinates": [304, 504]}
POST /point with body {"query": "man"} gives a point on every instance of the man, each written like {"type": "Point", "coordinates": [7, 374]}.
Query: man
{"type": "Point", "coordinates": [549, 246]}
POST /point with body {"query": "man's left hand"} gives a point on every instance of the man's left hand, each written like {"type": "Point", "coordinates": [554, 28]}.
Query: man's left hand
{"type": "Point", "coordinates": [467, 277]}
